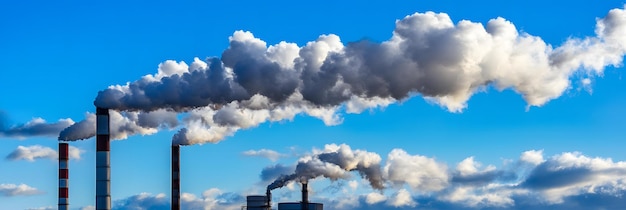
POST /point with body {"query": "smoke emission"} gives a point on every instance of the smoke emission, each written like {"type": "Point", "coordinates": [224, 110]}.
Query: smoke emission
{"type": "Point", "coordinates": [123, 124]}
{"type": "Point", "coordinates": [427, 55]}
{"type": "Point", "coordinates": [334, 162]}
{"type": "Point", "coordinates": [35, 127]}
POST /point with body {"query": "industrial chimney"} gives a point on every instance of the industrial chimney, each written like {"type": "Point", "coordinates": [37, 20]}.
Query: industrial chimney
{"type": "Point", "coordinates": [175, 177]}
{"type": "Point", "coordinates": [63, 176]}
{"type": "Point", "coordinates": [305, 195]}
{"type": "Point", "coordinates": [103, 167]}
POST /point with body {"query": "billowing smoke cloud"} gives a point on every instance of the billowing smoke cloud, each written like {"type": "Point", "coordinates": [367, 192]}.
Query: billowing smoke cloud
{"type": "Point", "coordinates": [427, 55]}
{"type": "Point", "coordinates": [271, 173]}
{"type": "Point", "coordinates": [334, 162]}
{"type": "Point", "coordinates": [366, 163]}
{"type": "Point", "coordinates": [35, 127]}
{"type": "Point", "coordinates": [9, 190]}
{"type": "Point", "coordinates": [123, 124]}
{"type": "Point", "coordinates": [32, 153]}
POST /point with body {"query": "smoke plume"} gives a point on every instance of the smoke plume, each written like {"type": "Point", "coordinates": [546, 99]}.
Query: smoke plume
{"type": "Point", "coordinates": [35, 127]}
{"type": "Point", "coordinates": [123, 124]}
{"type": "Point", "coordinates": [427, 55]}
{"type": "Point", "coordinates": [334, 162]}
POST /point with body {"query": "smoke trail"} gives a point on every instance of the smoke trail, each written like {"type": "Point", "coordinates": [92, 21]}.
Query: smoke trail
{"type": "Point", "coordinates": [123, 124]}
{"type": "Point", "coordinates": [427, 55]}
{"type": "Point", "coordinates": [35, 127]}
{"type": "Point", "coordinates": [334, 162]}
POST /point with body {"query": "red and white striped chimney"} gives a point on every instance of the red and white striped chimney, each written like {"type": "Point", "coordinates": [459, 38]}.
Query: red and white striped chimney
{"type": "Point", "coordinates": [103, 167]}
{"type": "Point", "coordinates": [63, 176]}
{"type": "Point", "coordinates": [175, 177]}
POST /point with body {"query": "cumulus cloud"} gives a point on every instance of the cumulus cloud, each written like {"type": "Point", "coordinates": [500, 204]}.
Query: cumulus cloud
{"type": "Point", "coordinates": [265, 153]}
{"type": "Point", "coordinates": [400, 168]}
{"type": "Point", "coordinates": [427, 55]}
{"type": "Point", "coordinates": [211, 199]}
{"type": "Point", "coordinates": [10, 190]}
{"type": "Point", "coordinates": [401, 198]}
{"type": "Point", "coordinates": [32, 153]}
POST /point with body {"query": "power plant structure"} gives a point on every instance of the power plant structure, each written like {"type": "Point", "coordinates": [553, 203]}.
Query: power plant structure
{"type": "Point", "coordinates": [264, 202]}
{"type": "Point", "coordinates": [103, 176]}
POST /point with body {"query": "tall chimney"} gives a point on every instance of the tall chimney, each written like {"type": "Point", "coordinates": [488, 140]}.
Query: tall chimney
{"type": "Point", "coordinates": [268, 194]}
{"type": "Point", "coordinates": [103, 167]}
{"type": "Point", "coordinates": [63, 176]}
{"type": "Point", "coordinates": [175, 177]}
{"type": "Point", "coordinates": [305, 196]}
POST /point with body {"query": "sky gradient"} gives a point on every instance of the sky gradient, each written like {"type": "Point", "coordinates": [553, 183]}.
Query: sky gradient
{"type": "Point", "coordinates": [502, 148]}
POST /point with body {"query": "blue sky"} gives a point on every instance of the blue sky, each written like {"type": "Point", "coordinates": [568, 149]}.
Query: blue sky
{"type": "Point", "coordinates": [57, 56]}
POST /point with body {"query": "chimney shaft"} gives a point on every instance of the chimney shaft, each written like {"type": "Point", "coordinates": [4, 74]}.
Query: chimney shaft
{"type": "Point", "coordinates": [305, 196]}
{"type": "Point", "coordinates": [103, 167]}
{"type": "Point", "coordinates": [63, 176]}
{"type": "Point", "coordinates": [175, 177]}
{"type": "Point", "coordinates": [268, 194]}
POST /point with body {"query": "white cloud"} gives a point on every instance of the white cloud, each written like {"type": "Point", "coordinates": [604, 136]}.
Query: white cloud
{"type": "Point", "coordinates": [401, 198]}
{"type": "Point", "coordinates": [10, 190]}
{"type": "Point", "coordinates": [88, 208]}
{"type": "Point", "coordinates": [400, 168]}
{"type": "Point", "coordinates": [373, 198]}
{"type": "Point", "coordinates": [266, 153]}
{"type": "Point", "coordinates": [32, 153]}
{"type": "Point", "coordinates": [534, 157]}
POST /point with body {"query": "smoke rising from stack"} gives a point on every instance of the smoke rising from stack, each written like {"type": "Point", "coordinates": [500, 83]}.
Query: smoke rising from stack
{"type": "Point", "coordinates": [427, 55]}
{"type": "Point", "coordinates": [123, 124]}
{"type": "Point", "coordinates": [335, 162]}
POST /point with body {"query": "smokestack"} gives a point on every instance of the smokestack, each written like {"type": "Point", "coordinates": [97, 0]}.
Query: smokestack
{"type": "Point", "coordinates": [103, 167]}
{"type": "Point", "coordinates": [305, 196]}
{"type": "Point", "coordinates": [175, 177]}
{"type": "Point", "coordinates": [268, 194]}
{"type": "Point", "coordinates": [63, 176]}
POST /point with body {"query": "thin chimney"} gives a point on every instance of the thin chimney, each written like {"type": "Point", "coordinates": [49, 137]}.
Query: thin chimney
{"type": "Point", "coordinates": [305, 196]}
{"type": "Point", "coordinates": [268, 194]}
{"type": "Point", "coordinates": [175, 177]}
{"type": "Point", "coordinates": [63, 176]}
{"type": "Point", "coordinates": [103, 167]}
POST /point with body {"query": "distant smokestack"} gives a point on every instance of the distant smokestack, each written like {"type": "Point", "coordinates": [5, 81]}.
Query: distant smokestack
{"type": "Point", "coordinates": [63, 176]}
{"type": "Point", "coordinates": [305, 196]}
{"type": "Point", "coordinates": [175, 177]}
{"type": "Point", "coordinates": [103, 167]}
{"type": "Point", "coordinates": [268, 194]}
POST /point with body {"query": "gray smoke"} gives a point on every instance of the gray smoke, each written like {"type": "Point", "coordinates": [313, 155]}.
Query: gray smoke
{"type": "Point", "coordinates": [123, 124]}
{"type": "Point", "coordinates": [35, 127]}
{"type": "Point", "coordinates": [334, 162]}
{"type": "Point", "coordinates": [427, 55]}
